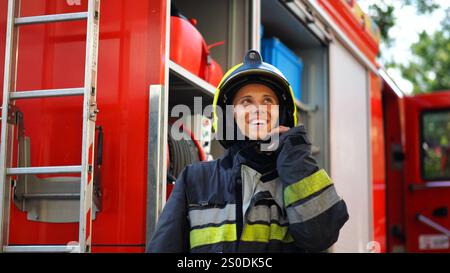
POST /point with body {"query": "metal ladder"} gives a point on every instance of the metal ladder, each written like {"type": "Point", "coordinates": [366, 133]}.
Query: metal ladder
{"type": "Point", "coordinates": [88, 91]}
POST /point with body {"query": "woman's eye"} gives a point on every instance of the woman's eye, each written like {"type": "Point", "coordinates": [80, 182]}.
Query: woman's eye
{"type": "Point", "coordinates": [269, 101]}
{"type": "Point", "coordinates": [245, 102]}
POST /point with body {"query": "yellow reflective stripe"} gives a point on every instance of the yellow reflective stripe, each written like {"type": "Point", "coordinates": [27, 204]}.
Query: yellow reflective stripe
{"type": "Point", "coordinates": [305, 187]}
{"type": "Point", "coordinates": [264, 233]}
{"type": "Point", "coordinates": [216, 95]}
{"type": "Point", "coordinates": [212, 235]}
{"type": "Point", "coordinates": [295, 105]}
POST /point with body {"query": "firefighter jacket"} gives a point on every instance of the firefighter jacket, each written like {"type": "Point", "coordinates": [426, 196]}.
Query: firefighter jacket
{"type": "Point", "coordinates": [246, 201]}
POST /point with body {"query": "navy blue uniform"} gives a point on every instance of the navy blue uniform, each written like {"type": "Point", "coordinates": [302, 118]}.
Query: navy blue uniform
{"type": "Point", "coordinates": [248, 201]}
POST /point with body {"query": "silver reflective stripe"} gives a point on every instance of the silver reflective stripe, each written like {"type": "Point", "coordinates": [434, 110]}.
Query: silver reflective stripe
{"type": "Point", "coordinates": [200, 217]}
{"type": "Point", "coordinates": [313, 207]}
{"type": "Point", "coordinates": [266, 214]}
{"type": "Point", "coordinates": [250, 179]}
{"type": "Point", "coordinates": [275, 187]}
{"type": "Point", "coordinates": [251, 185]}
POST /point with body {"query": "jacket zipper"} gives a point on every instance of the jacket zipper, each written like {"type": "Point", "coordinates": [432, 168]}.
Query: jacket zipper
{"type": "Point", "coordinates": [239, 215]}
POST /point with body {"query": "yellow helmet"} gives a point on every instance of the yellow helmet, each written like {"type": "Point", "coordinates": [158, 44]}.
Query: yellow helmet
{"type": "Point", "coordinates": [254, 70]}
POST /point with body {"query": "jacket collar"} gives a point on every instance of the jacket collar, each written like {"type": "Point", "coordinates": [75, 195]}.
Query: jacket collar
{"type": "Point", "coordinates": [247, 153]}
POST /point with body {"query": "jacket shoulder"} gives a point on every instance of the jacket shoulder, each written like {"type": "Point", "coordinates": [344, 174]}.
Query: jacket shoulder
{"type": "Point", "coordinates": [200, 170]}
{"type": "Point", "coordinates": [206, 182]}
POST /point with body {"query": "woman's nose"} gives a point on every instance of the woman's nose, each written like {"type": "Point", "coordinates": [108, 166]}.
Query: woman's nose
{"type": "Point", "coordinates": [259, 110]}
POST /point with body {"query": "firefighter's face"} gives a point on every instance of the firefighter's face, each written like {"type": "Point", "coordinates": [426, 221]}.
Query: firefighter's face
{"type": "Point", "coordinates": [256, 110]}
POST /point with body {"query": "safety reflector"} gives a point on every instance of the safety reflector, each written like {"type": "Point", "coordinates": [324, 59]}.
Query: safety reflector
{"type": "Point", "coordinates": [305, 187]}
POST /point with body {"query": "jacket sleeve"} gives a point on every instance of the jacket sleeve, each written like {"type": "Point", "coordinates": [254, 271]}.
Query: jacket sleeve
{"type": "Point", "coordinates": [315, 212]}
{"type": "Point", "coordinates": [172, 231]}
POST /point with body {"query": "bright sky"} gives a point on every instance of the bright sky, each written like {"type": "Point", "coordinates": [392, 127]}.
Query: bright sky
{"type": "Point", "coordinates": [406, 32]}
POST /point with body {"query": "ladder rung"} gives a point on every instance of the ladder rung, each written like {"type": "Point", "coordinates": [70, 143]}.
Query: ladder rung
{"type": "Point", "coordinates": [43, 170]}
{"type": "Point", "coordinates": [42, 248]}
{"type": "Point", "coordinates": [46, 93]}
{"type": "Point", "coordinates": [51, 18]}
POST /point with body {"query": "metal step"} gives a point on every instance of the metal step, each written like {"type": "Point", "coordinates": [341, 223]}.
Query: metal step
{"type": "Point", "coordinates": [50, 18]}
{"type": "Point", "coordinates": [51, 196]}
{"type": "Point", "coordinates": [43, 170]}
{"type": "Point", "coordinates": [42, 248]}
{"type": "Point", "coordinates": [46, 93]}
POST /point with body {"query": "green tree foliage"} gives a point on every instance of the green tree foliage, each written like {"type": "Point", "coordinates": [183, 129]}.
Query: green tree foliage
{"type": "Point", "coordinates": [429, 69]}
{"type": "Point", "coordinates": [382, 13]}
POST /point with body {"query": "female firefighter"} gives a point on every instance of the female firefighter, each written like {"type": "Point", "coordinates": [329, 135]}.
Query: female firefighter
{"type": "Point", "coordinates": [253, 199]}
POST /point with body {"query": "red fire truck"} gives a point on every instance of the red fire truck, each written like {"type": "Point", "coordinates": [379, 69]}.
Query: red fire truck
{"type": "Point", "coordinates": [87, 158]}
{"type": "Point", "coordinates": [417, 134]}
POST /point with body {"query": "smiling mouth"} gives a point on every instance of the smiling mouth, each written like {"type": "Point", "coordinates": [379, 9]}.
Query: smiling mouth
{"type": "Point", "coordinates": [258, 122]}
